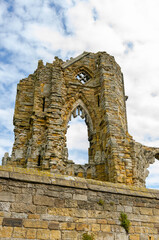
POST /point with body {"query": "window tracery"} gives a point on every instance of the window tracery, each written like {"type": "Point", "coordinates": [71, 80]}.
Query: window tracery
{"type": "Point", "coordinates": [83, 76]}
{"type": "Point", "coordinates": [79, 109]}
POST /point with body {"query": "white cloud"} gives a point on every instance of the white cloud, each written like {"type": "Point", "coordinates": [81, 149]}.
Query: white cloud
{"type": "Point", "coordinates": [32, 30]}
{"type": "Point", "coordinates": [77, 135]}
{"type": "Point", "coordinates": [5, 118]}
{"type": "Point", "coordinates": [77, 141]}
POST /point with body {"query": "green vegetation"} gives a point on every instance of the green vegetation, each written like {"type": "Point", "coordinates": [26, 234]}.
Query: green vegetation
{"type": "Point", "coordinates": [101, 202]}
{"type": "Point", "coordinates": [111, 203]}
{"type": "Point", "coordinates": [87, 236]}
{"type": "Point", "coordinates": [125, 223]}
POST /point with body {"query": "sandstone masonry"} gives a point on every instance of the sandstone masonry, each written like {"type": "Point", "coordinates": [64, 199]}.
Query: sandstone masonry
{"type": "Point", "coordinates": [40, 205]}
{"type": "Point", "coordinates": [90, 85]}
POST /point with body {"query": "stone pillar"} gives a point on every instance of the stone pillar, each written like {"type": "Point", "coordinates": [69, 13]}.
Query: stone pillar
{"type": "Point", "coordinates": [55, 132]}
{"type": "Point", "coordinates": [114, 120]}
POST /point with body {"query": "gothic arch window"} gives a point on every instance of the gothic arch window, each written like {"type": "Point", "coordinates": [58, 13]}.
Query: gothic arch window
{"type": "Point", "coordinates": [77, 139]}
{"type": "Point", "coordinates": [83, 76]}
{"type": "Point", "coordinates": [79, 109]}
{"type": "Point", "coordinates": [81, 114]}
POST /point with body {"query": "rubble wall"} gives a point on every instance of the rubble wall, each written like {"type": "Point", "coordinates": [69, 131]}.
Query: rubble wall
{"type": "Point", "coordinates": [43, 205]}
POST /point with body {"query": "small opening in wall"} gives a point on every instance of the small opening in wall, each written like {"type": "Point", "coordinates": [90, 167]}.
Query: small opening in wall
{"type": "Point", "coordinates": [149, 238]}
{"type": "Point", "coordinates": [39, 160]}
{"type": "Point", "coordinates": [43, 104]}
{"type": "Point", "coordinates": [98, 101]}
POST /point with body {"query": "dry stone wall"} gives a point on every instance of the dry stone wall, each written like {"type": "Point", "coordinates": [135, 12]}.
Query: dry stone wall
{"type": "Point", "coordinates": [91, 86]}
{"type": "Point", "coordinates": [39, 205]}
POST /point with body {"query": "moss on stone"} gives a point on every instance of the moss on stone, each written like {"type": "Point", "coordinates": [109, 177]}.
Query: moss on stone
{"type": "Point", "coordinates": [87, 236]}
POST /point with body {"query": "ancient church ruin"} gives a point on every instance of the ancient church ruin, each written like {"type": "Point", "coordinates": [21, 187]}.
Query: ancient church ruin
{"type": "Point", "coordinates": [91, 86]}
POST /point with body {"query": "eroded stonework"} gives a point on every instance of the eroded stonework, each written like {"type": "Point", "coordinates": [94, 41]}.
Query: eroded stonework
{"type": "Point", "coordinates": [92, 87]}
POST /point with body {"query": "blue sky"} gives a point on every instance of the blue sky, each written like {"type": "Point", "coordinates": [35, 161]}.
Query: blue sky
{"type": "Point", "coordinates": [42, 29]}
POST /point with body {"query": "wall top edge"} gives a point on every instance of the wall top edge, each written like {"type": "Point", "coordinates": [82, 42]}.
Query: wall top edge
{"type": "Point", "coordinates": [73, 60]}
{"type": "Point", "coordinates": [46, 177]}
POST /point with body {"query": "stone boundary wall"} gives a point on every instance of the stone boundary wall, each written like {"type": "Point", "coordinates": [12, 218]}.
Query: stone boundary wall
{"type": "Point", "coordinates": [41, 205]}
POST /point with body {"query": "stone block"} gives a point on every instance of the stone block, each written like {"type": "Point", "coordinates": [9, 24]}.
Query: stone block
{"type": "Point", "coordinates": [29, 223]}
{"type": "Point", "coordinates": [23, 208]}
{"type": "Point", "coordinates": [24, 198]}
{"type": "Point", "coordinates": [128, 209]}
{"type": "Point", "coordinates": [146, 211]}
{"type": "Point", "coordinates": [105, 228]}
{"type": "Point", "coordinates": [43, 200]}
{"type": "Point", "coordinates": [58, 218]}
{"type": "Point", "coordinates": [4, 206]}
{"type": "Point", "coordinates": [104, 236]}
{"type": "Point", "coordinates": [120, 208]}
{"type": "Point", "coordinates": [7, 197]}
{"type": "Point", "coordinates": [66, 196]}
{"type": "Point", "coordinates": [71, 235]}
{"type": "Point", "coordinates": [156, 211]}
{"type": "Point", "coordinates": [79, 197]}
{"type": "Point", "coordinates": [82, 213]}
{"type": "Point", "coordinates": [111, 222]}
{"type": "Point", "coordinates": [138, 229]}
{"type": "Point", "coordinates": [71, 203]}
{"type": "Point", "coordinates": [82, 227]}
{"type": "Point", "coordinates": [43, 234]}
{"type": "Point", "coordinates": [33, 216]}
{"type": "Point", "coordinates": [19, 233]}
{"type": "Point", "coordinates": [53, 226]}
{"type": "Point", "coordinates": [55, 235]}
{"type": "Point", "coordinates": [5, 214]}
{"type": "Point", "coordinates": [59, 203]}
{"type": "Point", "coordinates": [29, 177]}
{"type": "Point", "coordinates": [41, 209]}
{"type": "Point", "coordinates": [6, 232]}
{"type": "Point", "coordinates": [101, 221]}
{"type": "Point", "coordinates": [12, 222]}
{"type": "Point", "coordinates": [95, 227]}
{"type": "Point", "coordinates": [4, 174]}
{"type": "Point", "coordinates": [60, 211]}
{"type": "Point", "coordinates": [121, 236]}
{"type": "Point", "coordinates": [67, 226]}
{"type": "Point", "coordinates": [134, 237]}
{"type": "Point", "coordinates": [31, 233]}
{"type": "Point", "coordinates": [132, 229]}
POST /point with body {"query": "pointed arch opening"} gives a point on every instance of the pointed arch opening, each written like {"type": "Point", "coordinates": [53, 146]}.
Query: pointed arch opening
{"type": "Point", "coordinates": [78, 133]}
{"type": "Point", "coordinates": [77, 141]}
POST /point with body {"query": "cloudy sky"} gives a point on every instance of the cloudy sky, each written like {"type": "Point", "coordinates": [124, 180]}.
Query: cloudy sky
{"type": "Point", "coordinates": [41, 29]}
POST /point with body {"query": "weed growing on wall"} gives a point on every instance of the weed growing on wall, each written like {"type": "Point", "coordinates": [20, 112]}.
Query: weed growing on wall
{"type": "Point", "coordinates": [125, 223]}
{"type": "Point", "coordinates": [87, 236]}
{"type": "Point", "coordinates": [101, 202]}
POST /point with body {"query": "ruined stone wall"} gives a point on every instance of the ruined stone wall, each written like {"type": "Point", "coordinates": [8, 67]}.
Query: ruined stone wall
{"type": "Point", "coordinates": [91, 86]}
{"type": "Point", "coordinates": [38, 205]}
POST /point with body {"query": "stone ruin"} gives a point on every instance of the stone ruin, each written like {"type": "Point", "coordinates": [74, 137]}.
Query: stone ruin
{"type": "Point", "coordinates": [91, 86]}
